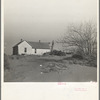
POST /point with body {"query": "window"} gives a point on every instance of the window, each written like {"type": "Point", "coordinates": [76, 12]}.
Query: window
{"type": "Point", "coordinates": [35, 50]}
{"type": "Point", "coordinates": [25, 50]}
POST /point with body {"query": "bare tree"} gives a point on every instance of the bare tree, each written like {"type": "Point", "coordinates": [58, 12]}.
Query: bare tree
{"type": "Point", "coordinates": [83, 36]}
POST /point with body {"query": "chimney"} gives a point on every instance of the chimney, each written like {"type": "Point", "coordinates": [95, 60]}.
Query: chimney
{"type": "Point", "coordinates": [21, 40]}
{"type": "Point", "coordinates": [39, 41]}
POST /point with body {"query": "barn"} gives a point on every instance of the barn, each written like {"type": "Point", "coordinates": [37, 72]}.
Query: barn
{"type": "Point", "coordinates": [31, 48]}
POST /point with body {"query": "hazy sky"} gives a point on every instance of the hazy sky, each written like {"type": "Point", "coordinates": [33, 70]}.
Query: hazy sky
{"type": "Point", "coordinates": [43, 20]}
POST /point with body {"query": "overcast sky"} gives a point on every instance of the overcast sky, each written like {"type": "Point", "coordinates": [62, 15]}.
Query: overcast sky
{"type": "Point", "coordinates": [44, 20]}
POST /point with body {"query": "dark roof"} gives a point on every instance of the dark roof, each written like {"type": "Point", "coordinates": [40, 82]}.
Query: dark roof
{"type": "Point", "coordinates": [17, 44]}
{"type": "Point", "coordinates": [37, 45]}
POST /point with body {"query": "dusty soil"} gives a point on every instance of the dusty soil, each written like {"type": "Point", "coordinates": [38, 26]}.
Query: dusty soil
{"type": "Point", "coordinates": [47, 69]}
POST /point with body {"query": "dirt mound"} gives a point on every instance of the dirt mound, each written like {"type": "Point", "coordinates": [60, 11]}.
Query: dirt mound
{"type": "Point", "coordinates": [53, 66]}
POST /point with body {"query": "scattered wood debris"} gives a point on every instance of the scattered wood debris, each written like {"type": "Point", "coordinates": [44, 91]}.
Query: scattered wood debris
{"type": "Point", "coordinates": [53, 66]}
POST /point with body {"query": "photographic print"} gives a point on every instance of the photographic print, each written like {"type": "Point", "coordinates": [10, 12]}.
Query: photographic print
{"type": "Point", "coordinates": [49, 49]}
{"type": "Point", "coordinates": [50, 40]}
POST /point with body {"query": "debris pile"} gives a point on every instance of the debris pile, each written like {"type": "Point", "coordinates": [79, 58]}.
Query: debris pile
{"type": "Point", "coordinates": [53, 66]}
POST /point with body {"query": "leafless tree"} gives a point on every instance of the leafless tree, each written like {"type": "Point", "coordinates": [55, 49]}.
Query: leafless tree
{"type": "Point", "coordinates": [83, 36]}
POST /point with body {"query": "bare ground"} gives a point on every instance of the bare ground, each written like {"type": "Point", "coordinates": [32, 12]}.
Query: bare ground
{"type": "Point", "coordinates": [47, 69]}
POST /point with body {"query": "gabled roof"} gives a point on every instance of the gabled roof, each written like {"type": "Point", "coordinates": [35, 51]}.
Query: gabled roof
{"type": "Point", "coordinates": [18, 44]}
{"type": "Point", "coordinates": [37, 45]}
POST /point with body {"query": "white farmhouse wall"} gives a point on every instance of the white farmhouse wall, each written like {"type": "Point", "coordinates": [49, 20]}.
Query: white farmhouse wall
{"type": "Point", "coordinates": [33, 51]}
{"type": "Point", "coordinates": [40, 51]}
{"type": "Point", "coordinates": [22, 46]}
{"type": "Point", "coordinates": [30, 50]}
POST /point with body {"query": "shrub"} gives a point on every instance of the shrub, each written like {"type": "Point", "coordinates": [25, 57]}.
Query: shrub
{"type": "Point", "coordinates": [58, 53]}
{"type": "Point", "coordinates": [92, 63]}
{"type": "Point", "coordinates": [23, 54]}
{"type": "Point", "coordinates": [77, 56]}
{"type": "Point", "coordinates": [55, 52]}
{"type": "Point", "coordinates": [91, 60]}
{"type": "Point", "coordinates": [69, 53]}
{"type": "Point", "coordinates": [46, 54]}
{"type": "Point", "coordinates": [67, 58]}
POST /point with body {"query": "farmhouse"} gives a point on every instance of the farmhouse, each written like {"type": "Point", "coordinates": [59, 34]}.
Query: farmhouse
{"type": "Point", "coordinates": [29, 48]}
